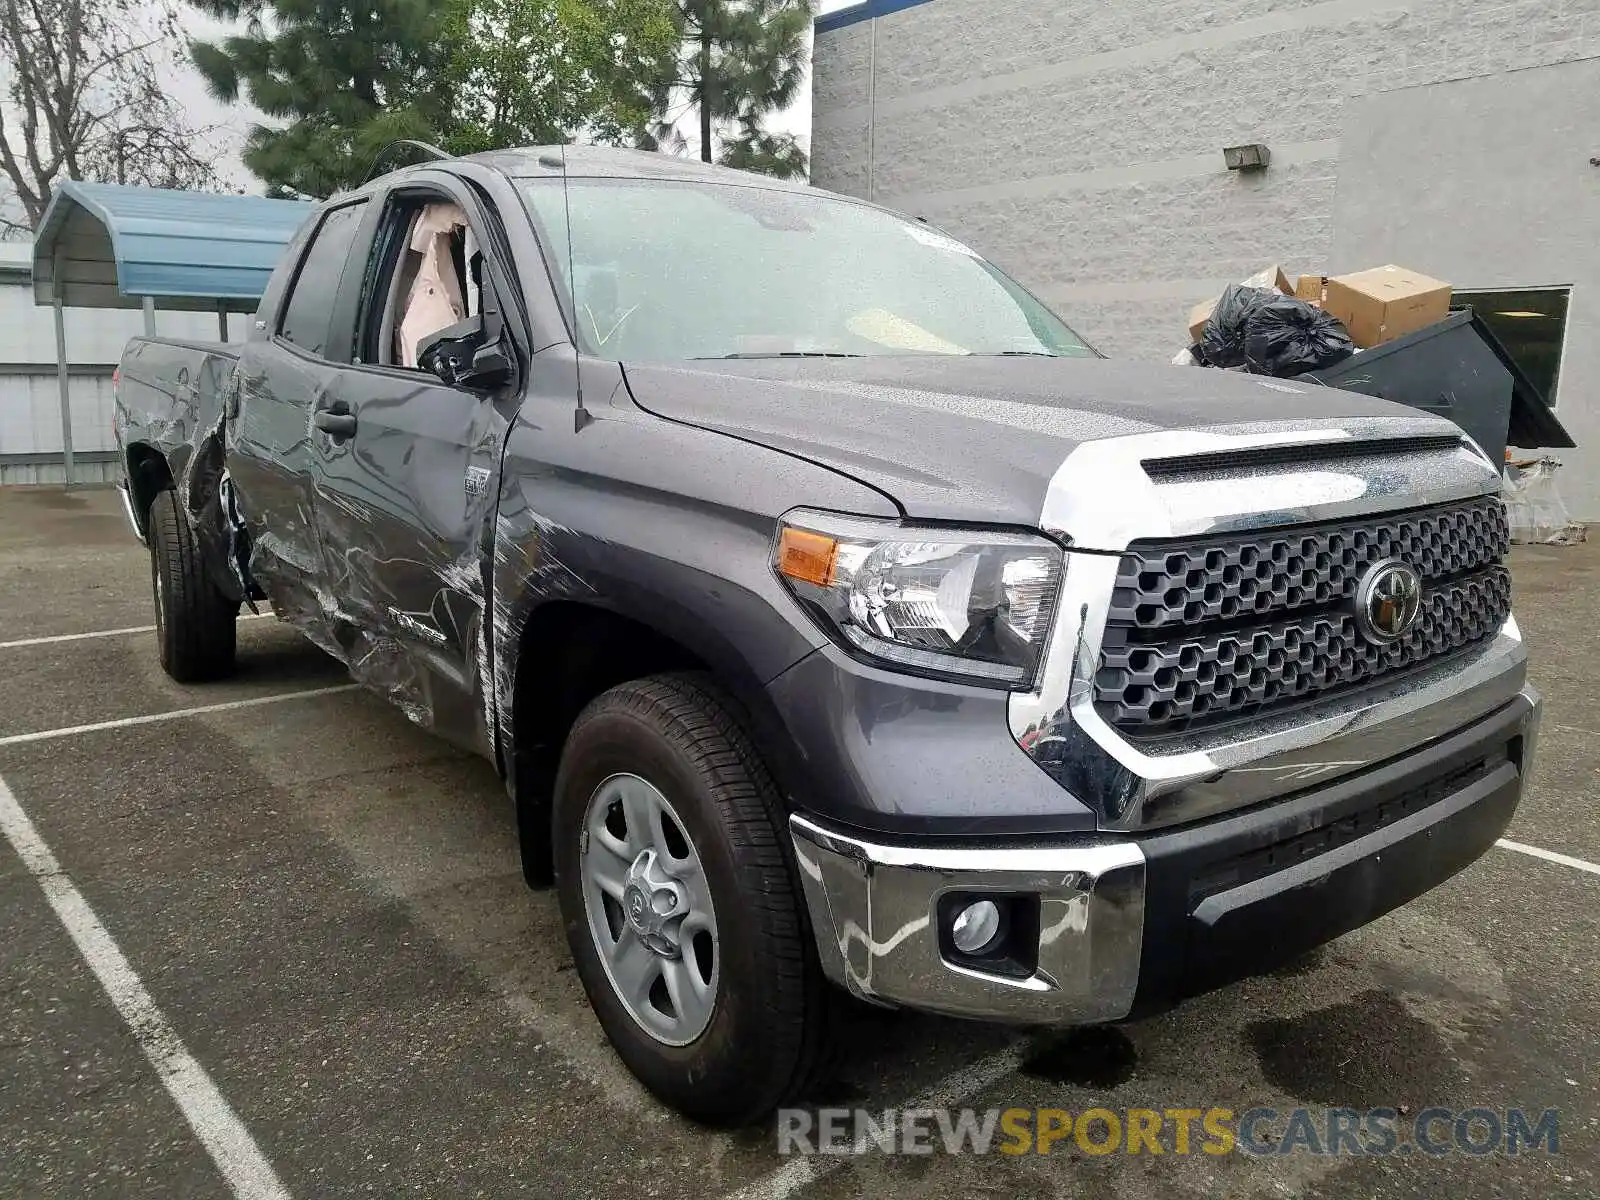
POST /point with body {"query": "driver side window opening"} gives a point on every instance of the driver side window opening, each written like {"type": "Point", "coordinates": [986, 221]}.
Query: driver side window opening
{"type": "Point", "coordinates": [429, 276]}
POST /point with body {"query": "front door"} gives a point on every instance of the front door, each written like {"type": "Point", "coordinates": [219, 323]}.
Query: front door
{"type": "Point", "coordinates": [405, 468]}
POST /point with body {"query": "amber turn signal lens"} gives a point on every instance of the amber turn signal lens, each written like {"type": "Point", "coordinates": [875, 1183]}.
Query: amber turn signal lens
{"type": "Point", "coordinates": [806, 556]}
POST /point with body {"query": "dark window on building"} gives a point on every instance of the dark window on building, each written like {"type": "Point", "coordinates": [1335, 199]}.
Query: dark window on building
{"type": "Point", "coordinates": [1531, 325]}
{"type": "Point", "coordinates": [309, 309]}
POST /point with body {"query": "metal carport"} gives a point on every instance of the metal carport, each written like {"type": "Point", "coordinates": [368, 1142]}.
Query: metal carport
{"type": "Point", "coordinates": [106, 245]}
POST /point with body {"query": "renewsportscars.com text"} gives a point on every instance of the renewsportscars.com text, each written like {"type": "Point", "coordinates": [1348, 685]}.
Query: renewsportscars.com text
{"type": "Point", "coordinates": [1260, 1132]}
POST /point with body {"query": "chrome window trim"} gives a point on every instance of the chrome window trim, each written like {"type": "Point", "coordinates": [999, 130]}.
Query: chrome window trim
{"type": "Point", "coordinates": [1134, 786]}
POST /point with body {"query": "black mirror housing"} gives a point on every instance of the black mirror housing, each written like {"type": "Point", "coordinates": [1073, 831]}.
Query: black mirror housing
{"type": "Point", "coordinates": [463, 355]}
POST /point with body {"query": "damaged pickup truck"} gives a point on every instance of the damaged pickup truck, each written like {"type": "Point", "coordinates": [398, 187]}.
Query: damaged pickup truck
{"type": "Point", "coordinates": [834, 615]}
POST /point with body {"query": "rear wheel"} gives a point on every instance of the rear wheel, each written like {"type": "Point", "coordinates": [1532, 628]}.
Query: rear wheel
{"type": "Point", "coordinates": [680, 904]}
{"type": "Point", "coordinates": [196, 625]}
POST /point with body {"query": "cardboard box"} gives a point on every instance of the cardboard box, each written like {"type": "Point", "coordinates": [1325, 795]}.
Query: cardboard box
{"type": "Point", "coordinates": [1267, 277]}
{"type": "Point", "coordinates": [1384, 303]}
{"type": "Point", "coordinates": [1310, 288]}
{"type": "Point", "coordinates": [1270, 277]}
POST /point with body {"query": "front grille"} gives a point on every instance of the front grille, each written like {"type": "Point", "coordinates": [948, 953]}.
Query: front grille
{"type": "Point", "coordinates": [1201, 633]}
{"type": "Point", "coordinates": [1160, 586]}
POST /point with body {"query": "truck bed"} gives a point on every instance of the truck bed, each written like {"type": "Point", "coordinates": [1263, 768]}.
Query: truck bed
{"type": "Point", "coordinates": [169, 423]}
{"type": "Point", "coordinates": [169, 395]}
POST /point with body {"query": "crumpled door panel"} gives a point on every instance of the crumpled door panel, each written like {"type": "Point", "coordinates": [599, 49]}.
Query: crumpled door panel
{"type": "Point", "coordinates": [269, 458]}
{"type": "Point", "coordinates": [405, 518]}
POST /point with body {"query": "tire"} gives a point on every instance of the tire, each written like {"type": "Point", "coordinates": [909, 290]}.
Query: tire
{"type": "Point", "coordinates": [196, 625]}
{"type": "Point", "coordinates": [765, 1036]}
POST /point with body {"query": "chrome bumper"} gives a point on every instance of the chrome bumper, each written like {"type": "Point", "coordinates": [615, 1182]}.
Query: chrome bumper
{"type": "Point", "coordinates": [1104, 902]}
{"type": "Point", "coordinates": [872, 907]}
{"type": "Point", "coordinates": [127, 508]}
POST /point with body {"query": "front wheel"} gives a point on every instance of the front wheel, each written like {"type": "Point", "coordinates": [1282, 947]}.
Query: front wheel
{"type": "Point", "coordinates": [680, 905]}
{"type": "Point", "coordinates": [196, 625]}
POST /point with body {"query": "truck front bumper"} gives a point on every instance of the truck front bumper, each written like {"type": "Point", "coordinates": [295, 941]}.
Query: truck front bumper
{"type": "Point", "coordinates": [1100, 927]}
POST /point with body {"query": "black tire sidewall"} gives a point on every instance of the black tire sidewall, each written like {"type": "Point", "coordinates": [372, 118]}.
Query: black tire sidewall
{"type": "Point", "coordinates": [706, 1076]}
{"type": "Point", "coordinates": [196, 625]}
{"type": "Point", "coordinates": [163, 541]}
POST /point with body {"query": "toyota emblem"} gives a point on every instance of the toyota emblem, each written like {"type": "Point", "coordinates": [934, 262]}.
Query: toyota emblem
{"type": "Point", "coordinates": [1388, 600]}
{"type": "Point", "coordinates": [637, 906]}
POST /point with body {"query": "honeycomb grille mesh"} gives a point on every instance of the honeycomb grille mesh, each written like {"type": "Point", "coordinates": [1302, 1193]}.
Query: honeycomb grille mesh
{"type": "Point", "coordinates": [1166, 587]}
{"type": "Point", "coordinates": [1173, 661]}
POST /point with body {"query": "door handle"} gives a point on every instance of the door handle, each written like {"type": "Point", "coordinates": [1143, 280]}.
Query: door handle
{"type": "Point", "coordinates": [336, 424]}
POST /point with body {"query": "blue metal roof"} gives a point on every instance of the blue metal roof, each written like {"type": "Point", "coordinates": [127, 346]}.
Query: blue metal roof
{"type": "Point", "coordinates": [190, 250]}
{"type": "Point", "coordinates": [865, 10]}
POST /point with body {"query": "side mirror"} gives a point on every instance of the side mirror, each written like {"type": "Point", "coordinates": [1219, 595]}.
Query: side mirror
{"type": "Point", "coordinates": [463, 355]}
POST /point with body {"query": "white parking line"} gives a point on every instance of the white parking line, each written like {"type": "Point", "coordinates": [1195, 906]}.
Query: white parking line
{"type": "Point", "coordinates": [217, 1126]}
{"type": "Point", "coordinates": [45, 735]}
{"type": "Point", "coordinates": [100, 633]}
{"type": "Point", "coordinates": [949, 1092]}
{"type": "Point", "coordinates": [75, 637]}
{"type": "Point", "coordinates": [1566, 860]}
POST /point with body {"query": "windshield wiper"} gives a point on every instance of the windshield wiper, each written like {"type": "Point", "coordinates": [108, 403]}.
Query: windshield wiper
{"type": "Point", "coordinates": [1026, 354]}
{"type": "Point", "coordinates": [795, 354]}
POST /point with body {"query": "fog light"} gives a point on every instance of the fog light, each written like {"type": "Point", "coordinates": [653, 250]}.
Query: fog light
{"type": "Point", "coordinates": [976, 927]}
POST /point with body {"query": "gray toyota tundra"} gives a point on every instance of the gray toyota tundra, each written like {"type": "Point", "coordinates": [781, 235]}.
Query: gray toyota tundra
{"type": "Point", "coordinates": [833, 613]}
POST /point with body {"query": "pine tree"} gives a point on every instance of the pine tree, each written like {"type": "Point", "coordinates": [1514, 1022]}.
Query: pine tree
{"type": "Point", "coordinates": [739, 61]}
{"type": "Point", "coordinates": [344, 77]}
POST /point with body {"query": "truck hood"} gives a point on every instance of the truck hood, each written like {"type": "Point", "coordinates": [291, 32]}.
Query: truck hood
{"type": "Point", "coordinates": [980, 439]}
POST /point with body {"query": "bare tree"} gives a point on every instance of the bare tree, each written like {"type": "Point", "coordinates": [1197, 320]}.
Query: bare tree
{"type": "Point", "coordinates": [81, 97]}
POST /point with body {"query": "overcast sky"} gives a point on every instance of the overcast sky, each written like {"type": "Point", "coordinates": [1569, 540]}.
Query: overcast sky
{"type": "Point", "coordinates": [233, 122]}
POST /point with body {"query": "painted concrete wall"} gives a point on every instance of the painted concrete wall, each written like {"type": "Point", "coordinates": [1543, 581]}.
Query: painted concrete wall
{"type": "Point", "coordinates": [1500, 194]}
{"type": "Point", "coordinates": [1079, 145]}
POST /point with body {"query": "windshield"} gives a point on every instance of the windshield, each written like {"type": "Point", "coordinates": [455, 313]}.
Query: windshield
{"type": "Point", "coordinates": [675, 270]}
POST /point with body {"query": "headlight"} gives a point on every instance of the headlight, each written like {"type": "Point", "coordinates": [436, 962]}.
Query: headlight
{"type": "Point", "coordinates": [962, 604]}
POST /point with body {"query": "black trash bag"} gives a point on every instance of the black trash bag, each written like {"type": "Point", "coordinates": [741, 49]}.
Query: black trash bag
{"type": "Point", "coordinates": [1222, 342]}
{"type": "Point", "coordinates": [1287, 337]}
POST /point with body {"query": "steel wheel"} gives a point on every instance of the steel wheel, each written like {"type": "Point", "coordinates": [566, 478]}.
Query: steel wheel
{"type": "Point", "coordinates": [649, 909]}
{"type": "Point", "coordinates": [728, 1017]}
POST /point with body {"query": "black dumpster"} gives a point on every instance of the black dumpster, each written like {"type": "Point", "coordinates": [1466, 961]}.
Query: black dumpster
{"type": "Point", "coordinates": [1455, 369]}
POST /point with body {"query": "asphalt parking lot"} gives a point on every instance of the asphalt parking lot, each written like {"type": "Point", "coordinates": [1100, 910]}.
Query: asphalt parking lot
{"type": "Point", "coordinates": [322, 909]}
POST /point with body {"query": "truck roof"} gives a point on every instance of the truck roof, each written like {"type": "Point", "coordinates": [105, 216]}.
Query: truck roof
{"type": "Point", "coordinates": [610, 162]}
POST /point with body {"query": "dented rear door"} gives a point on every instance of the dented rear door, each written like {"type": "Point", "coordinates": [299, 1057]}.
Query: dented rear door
{"type": "Point", "coordinates": [284, 371]}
